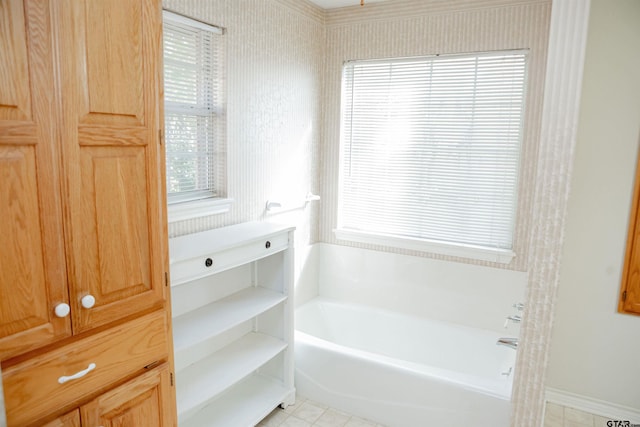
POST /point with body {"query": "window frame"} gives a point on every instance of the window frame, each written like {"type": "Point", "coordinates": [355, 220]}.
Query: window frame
{"type": "Point", "coordinates": [196, 203]}
{"type": "Point", "coordinates": [462, 250]}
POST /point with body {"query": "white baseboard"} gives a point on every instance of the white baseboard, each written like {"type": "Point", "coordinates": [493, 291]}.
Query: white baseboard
{"type": "Point", "coordinates": [593, 406]}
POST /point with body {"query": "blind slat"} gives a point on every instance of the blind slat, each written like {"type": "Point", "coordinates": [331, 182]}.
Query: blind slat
{"type": "Point", "coordinates": [193, 105]}
{"type": "Point", "coordinates": [431, 147]}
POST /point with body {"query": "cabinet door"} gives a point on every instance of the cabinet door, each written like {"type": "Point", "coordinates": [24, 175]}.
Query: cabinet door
{"type": "Point", "coordinates": [146, 400]}
{"type": "Point", "coordinates": [72, 419]}
{"type": "Point", "coordinates": [630, 288]}
{"type": "Point", "coordinates": [33, 279]}
{"type": "Point", "coordinates": [110, 72]}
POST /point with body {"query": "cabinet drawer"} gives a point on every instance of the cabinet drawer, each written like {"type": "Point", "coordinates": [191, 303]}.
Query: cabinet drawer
{"type": "Point", "coordinates": [32, 388]}
{"type": "Point", "coordinates": [211, 263]}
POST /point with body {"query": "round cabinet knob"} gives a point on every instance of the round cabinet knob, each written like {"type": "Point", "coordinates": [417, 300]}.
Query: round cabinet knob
{"type": "Point", "coordinates": [88, 301]}
{"type": "Point", "coordinates": [62, 310]}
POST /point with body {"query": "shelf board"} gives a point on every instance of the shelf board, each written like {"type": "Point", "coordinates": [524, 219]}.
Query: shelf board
{"type": "Point", "coordinates": [201, 382]}
{"type": "Point", "coordinates": [210, 320]}
{"type": "Point", "coordinates": [243, 405]}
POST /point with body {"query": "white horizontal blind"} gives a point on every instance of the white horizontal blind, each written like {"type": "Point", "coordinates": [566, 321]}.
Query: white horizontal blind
{"type": "Point", "coordinates": [194, 119]}
{"type": "Point", "coordinates": [431, 146]}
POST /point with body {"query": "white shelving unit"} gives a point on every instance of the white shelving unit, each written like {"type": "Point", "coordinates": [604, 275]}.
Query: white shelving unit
{"type": "Point", "coordinates": [233, 323]}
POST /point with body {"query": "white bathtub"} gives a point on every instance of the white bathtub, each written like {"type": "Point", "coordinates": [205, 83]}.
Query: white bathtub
{"type": "Point", "coordinates": [401, 371]}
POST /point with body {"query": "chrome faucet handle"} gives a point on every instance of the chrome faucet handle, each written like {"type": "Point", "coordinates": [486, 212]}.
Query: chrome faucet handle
{"type": "Point", "coordinates": [519, 306]}
{"type": "Point", "coordinates": [515, 318]}
{"type": "Point", "coordinates": [508, 342]}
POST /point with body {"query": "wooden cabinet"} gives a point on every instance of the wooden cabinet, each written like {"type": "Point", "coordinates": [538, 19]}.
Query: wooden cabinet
{"type": "Point", "coordinates": [39, 385]}
{"type": "Point", "coordinates": [82, 210]}
{"type": "Point", "coordinates": [144, 401]}
{"type": "Point", "coordinates": [233, 320]}
{"type": "Point", "coordinates": [88, 143]}
{"type": "Point", "coordinates": [630, 288]}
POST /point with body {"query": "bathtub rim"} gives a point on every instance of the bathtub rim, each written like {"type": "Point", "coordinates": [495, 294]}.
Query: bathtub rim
{"type": "Point", "coordinates": [474, 383]}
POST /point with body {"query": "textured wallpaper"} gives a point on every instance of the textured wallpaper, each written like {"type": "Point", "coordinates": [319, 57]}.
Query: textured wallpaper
{"type": "Point", "coordinates": [414, 27]}
{"type": "Point", "coordinates": [284, 67]}
{"type": "Point", "coordinates": [275, 51]}
{"type": "Point", "coordinates": [284, 62]}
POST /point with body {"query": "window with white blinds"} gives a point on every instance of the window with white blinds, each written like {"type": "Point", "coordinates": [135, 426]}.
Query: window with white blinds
{"type": "Point", "coordinates": [430, 150]}
{"type": "Point", "coordinates": [194, 109]}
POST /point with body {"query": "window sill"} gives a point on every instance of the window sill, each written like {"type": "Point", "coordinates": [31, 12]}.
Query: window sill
{"type": "Point", "coordinates": [499, 256]}
{"type": "Point", "coordinates": [197, 208]}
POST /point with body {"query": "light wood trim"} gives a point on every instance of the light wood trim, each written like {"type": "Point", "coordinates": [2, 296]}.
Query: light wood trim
{"type": "Point", "coordinates": [71, 419]}
{"type": "Point", "coordinates": [18, 133]}
{"type": "Point", "coordinates": [154, 120]}
{"type": "Point", "coordinates": [631, 271]}
{"type": "Point", "coordinates": [160, 218]}
{"type": "Point", "coordinates": [93, 136]}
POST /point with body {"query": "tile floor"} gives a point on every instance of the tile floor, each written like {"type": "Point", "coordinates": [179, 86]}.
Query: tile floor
{"type": "Point", "coordinates": [307, 413]}
{"type": "Point", "coordinates": [561, 416]}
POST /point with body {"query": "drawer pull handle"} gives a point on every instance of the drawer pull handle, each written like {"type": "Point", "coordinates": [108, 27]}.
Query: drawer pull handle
{"type": "Point", "coordinates": [77, 375]}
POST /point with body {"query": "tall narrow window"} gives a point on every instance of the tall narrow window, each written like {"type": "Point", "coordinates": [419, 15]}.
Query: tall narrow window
{"type": "Point", "coordinates": [430, 151]}
{"type": "Point", "coordinates": [194, 109]}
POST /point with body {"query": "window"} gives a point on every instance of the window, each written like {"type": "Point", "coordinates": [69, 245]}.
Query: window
{"type": "Point", "coordinates": [430, 152]}
{"type": "Point", "coordinates": [194, 110]}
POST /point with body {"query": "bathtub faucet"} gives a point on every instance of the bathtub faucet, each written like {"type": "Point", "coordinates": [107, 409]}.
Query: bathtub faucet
{"type": "Point", "coordinates": [515, 318]}
{"type": "Point", "coordinates": [508, 342]}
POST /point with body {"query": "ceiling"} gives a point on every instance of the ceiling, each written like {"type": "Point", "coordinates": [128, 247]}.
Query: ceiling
{"type": "Point", "coordinates": [331, 4]}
